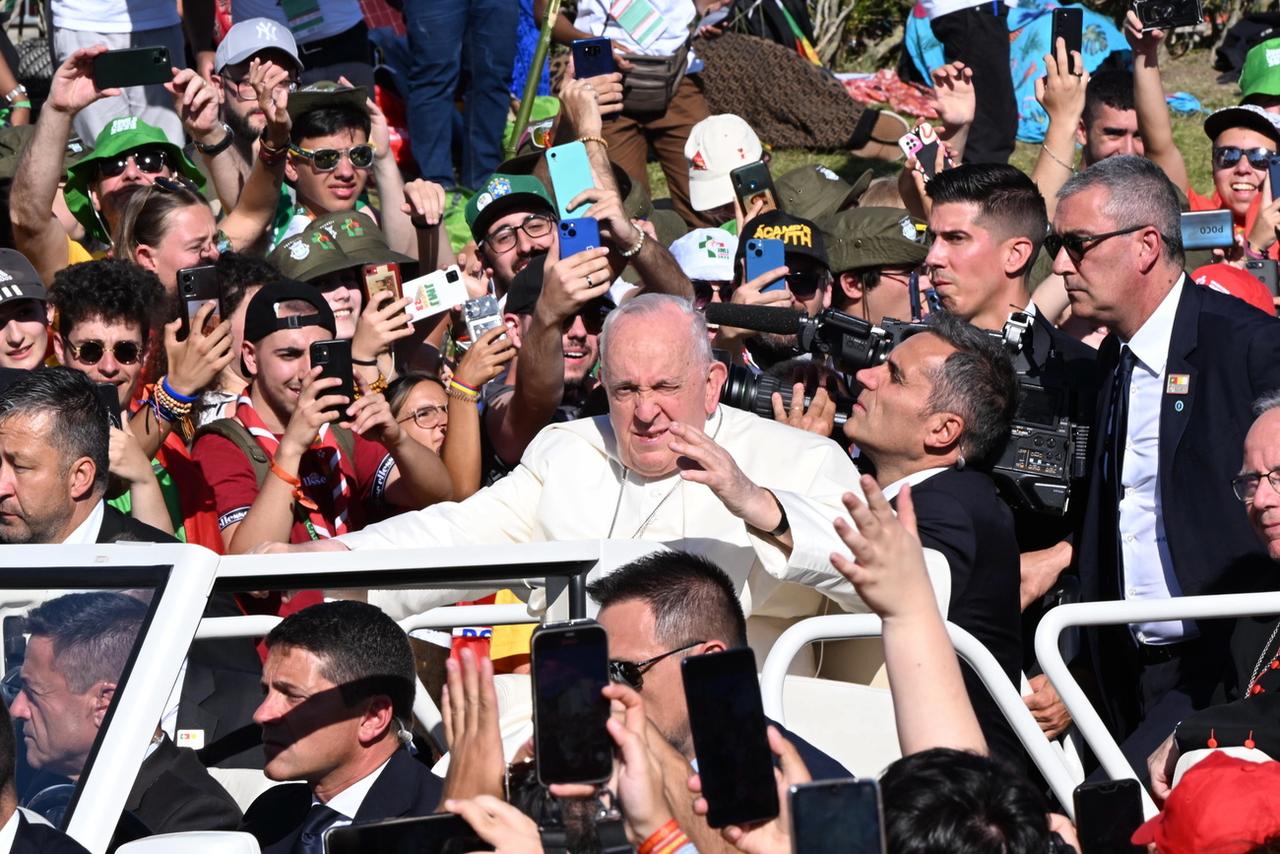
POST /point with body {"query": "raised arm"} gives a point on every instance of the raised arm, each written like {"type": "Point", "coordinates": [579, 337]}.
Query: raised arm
{"type": "Point", "coordinates": [485, 359]}
{"type": "Point", "coordinates": [1148, 100]}
{"type": "Point", "coordinates": [251, 217]}
{"type": "Point", "coordinates": [1061, 93]}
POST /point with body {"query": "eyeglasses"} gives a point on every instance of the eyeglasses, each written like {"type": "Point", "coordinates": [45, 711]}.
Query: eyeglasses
{"type": "Point", "coordinates": [632, 672]}
{"type": "Point", "coordinates": [428, 416]}
{"type": "Point", "coordinates": [1245, 486]}
{"type": "Point", "coordinates": [593, 316]}
{"type": "Point", "coordinates": [534, 226]}
{"type": "Point", "coordinates": [91, 352]}
{"type": "Point", "coordinates": [327, 159]}
{"type": "Point", "coordinates": [1078, 244]}
{"type": "Point", "coordinates": [244, 91]}
{"type": "Point", "coordinates": [704, 291]}
{"type": "Point", "coordinates": [150, 161]}
{"type": "Point", "coordinates": [1226, 156]}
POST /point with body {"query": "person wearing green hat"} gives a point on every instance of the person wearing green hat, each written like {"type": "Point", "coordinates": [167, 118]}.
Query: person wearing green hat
{"type": "Point", "coordinates": [873, 252]}
{"type": "Point", "coordinates": [1260, 76]}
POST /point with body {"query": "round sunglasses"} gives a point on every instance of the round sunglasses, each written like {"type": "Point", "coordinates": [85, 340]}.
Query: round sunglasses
{"type": "Point", "coordinates": [91, 352]}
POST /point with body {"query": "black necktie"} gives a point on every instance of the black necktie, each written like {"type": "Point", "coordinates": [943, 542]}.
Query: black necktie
{"type": "Point", "coordinates": [319, 819]}
{"type": "Point", "coordinates": [1113, 446]}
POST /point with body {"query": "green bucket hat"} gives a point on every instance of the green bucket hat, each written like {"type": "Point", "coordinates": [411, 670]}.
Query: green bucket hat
{"type": "Point", "coordinates": [501, 194]}
{"type": "Point", "coordinates": [326, 93]}
{"type": "Point", "coordinates": [872, 237]}
{"type": "Point", "coordinates": [1261, 72]}
{"type": "Point", "coordinates": [118, 137]}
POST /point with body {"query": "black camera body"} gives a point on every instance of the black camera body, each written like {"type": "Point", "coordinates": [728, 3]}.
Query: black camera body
{"type": "Point", "coordinates": [1168, 14]}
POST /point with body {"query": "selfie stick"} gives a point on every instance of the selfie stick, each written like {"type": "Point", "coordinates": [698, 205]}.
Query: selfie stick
{"type": "Point", "coordinates": [531, 80]}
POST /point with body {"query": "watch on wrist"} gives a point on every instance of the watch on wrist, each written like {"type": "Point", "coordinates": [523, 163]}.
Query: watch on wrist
{"type": "Point", "coordinates": [219, 146]}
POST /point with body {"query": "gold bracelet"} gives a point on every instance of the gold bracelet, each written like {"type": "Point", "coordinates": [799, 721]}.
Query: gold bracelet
{"type": "Point", "coordinates": [378, 386]}
{"type": "Point", "coordinates": [593, 138]}
{"type": "Point", "coordinates": [1055, 159]}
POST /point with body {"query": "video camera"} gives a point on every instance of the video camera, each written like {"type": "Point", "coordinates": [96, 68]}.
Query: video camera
{"type": "Point", "coordinates": [1046, 450]}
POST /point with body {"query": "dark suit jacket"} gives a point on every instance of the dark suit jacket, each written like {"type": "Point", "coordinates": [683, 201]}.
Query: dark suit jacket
{"type": "Point", "coordinates": [117, 527]}
{"type": "Point", "coordinates": [174, 793]}
{"type": "Point", "coordinates": [40, 839]}
{"type": "Point", "coordinates": [1230, 352]}
{"type": "Point", "coordinates": [960, 513]}
{"type": "Point", "coordinates": [406, 788]}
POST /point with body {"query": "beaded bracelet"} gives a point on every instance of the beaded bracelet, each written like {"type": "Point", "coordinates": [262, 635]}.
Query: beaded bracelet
{"type": "Point", "coordinates": [635, 250]}
{"type": "Point", "coordinates": [604, 144]}
{"type": "Point", "coordinates": [174, 393]}
{"type": "Point", "coordinates": [166, 407]}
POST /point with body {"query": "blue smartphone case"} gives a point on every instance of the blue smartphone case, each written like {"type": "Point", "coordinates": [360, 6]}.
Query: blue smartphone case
{"type": "Point", "coordinates": [578, 235]}
{"type": "Point", "coordinates": [764, 254]}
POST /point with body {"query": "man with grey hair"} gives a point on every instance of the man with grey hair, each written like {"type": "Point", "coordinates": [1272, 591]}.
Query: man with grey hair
{"type": "Point", "coordinates": [668, 464]}
{"type": "Point", "coordinates": [1181, 366]}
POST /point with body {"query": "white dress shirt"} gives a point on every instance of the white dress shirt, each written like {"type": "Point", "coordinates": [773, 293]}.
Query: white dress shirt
{"type": "Point", "coordinates": [914, 479]}
{"type": "Point", "coordinates": [348, 801]}
{"type": "Point", "coordinates": [9, 832]}
{"type": "Point", "coordinates": [86, 533]}
{"type": "Point", "coordinates": [1144, 546]}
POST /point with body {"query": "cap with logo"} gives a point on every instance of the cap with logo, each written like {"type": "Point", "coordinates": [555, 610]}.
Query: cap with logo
{"type": "Point", "coordinates": [252, 36]}
{"type": "Point", "coordinates": [502, 194]}
{"type": "Point", "coordinates": [1248, 116]}
{"type": "Point", "coordinates": [120, 136]}
{"type": "Point", "coordinates": [263, 317]}
{"type": "Point", "coordinates": [1261, 72]}
{"type": "Point", "coordinates": [706, 254]}
{"type": "Point", "coordinates": [860, 238]}
{"type": "Point", "coordinates": [813, 191]}
{"type": "Point", "coordinates": [716, 146]}
{"type": "Point", "coordinates": [331, 243]}
{"type": "Point", "coordinates": [326, 93]}
{"type": "Point", "coordinates": [18, 279]}
{"type": "Point", "coordinates": [799, 236]}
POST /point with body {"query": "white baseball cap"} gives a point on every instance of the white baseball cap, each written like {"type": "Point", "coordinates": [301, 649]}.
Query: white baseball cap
{"type": "Point", "coordinates": [716, 146]}
{"type": "Point", "coordinates": [706, 254]}
{"type": "Point", "coordinates": [251, 36]}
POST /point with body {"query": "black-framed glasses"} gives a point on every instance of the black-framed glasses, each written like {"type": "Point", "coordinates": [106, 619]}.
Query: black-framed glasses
{"type": "Point", "coordinates": [1226, 156]}
{"type": "Point", "coordinates": [327, 159]}
{"type": "Point", "coordinates": [593, 316]}
{"type": "Point", "coordinates": [150, 161]}
{"type": "Point", "coordinates": [1078, 244]}
{"type": "Point", "coordinates": [804, 285]}
{"type": "Point", "coordinates": [632, 672]}
{"type": "Point", "coordinates": [244, 91]}
{"type": "Point", "coordinates": [534, 226]}
{"type": "Point", "coordinates": [90, 352]}
{"type": "Point", "coordinates": [428, 416]}
{"type": "Point", "coordinates": [705, 290]}
{"type": "Point", "coordinates": [1245, 486]}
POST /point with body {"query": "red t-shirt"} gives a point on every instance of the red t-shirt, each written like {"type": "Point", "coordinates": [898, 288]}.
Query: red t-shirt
{"type": "Point", "coordinates": [230, 474]}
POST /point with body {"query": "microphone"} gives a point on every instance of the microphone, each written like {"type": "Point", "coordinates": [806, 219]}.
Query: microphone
{"type": "Point", "coordinates": [783, 321]}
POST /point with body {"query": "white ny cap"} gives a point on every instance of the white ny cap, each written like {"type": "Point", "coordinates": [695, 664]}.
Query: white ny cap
{"type": "Point", "coordinates": [251, 36]}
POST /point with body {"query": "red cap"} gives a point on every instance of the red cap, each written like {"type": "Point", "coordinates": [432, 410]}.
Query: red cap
{"type": "Point", "coordinates": [1223, 804]}
{"type": "Point", "coordinates": [1227, 279]}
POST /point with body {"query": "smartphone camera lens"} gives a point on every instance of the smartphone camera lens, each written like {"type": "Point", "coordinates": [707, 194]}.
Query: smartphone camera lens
{"type": "Point", "coordinates": [451, 276]}
{"type": "Point", "coordinates": [570, 231]}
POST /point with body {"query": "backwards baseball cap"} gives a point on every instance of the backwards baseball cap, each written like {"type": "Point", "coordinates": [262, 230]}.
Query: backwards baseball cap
{"type": "Point", "coordinates": [873, 237]}
{"type": "Point", "coordinates": [1248, 116]}
{"type": "Point", "coordinates": [327, 94]}
{"type": "Point", "coordinates": [1224, 804]}
{"type": "Point", "coordinates": [799, 236]}
{"type": "Point", "coordinates": [263, 316]}
{"type": "Point", "coordinates": [1261, 72]}
{"type": "Point", "coordinates": [251, 36]}
{"type": "Point", "coordinates": [119, 137]}
{"type": "Point", "coordinates": [500, 195]}
{"type": "Point", "coordinates": [706, 254]}
{"type": "Point", "coordinates": [18, 279]}
{"type": "Point", "coordinates": [716, 146]}
{"type": "Point", "coordinates": [814, 191]}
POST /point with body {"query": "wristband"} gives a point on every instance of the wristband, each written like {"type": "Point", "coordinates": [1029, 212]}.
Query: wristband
{"type": "Point", "coordinates": [469, 388]}
{"type": "Point", "coordinates": [270, 157]}
{"type": "Point", "coordinates": [364, 363]}
{"type": "Point", "coordinates": [665, 840]}
{"type": "Point", "coordinates": [169, 390]}
{"type": "Point", "coordinates": [635, 250]}
{"type": "Point", "coordinates": [18, 91]}
{"type": "Point", "coordinates": [219, 146]}
{"type": "Point", "coordinates": [21, 105]}
{"type": "Point", "coordinates": [293, 481]}
{"type": "Point", "coordinates": [784, 524]}
{"type": "Point", "coordinates": [460, 392]}
{"type": "Point", "coordinates": [603, 143]}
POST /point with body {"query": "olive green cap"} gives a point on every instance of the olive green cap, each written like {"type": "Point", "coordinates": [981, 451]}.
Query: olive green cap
{"type": "Point", "coordinates": [814, 191]}
{"type": "Point", "coordinates": [873, 237]}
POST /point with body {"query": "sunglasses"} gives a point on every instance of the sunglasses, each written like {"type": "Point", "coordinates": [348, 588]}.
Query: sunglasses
{"type": "Point", "coordinates": [1226, 156]}
{"type": "Point", "coordinates": [327, 159]}
{"type": "Point", "coordinates": [632, 672]}
{"type": "Point", "coordinates": [91, 352]}
{"type": "Point", "coordinates": [1078, 244]}
{"type": "Point", "coordinates": [592, 318]}
{"type": "Point", "coordinates": [704, 292]}
{"type": "Point", "coordinates": [150, 161]}
{"type": "Point", "coordinates": [805, 285]}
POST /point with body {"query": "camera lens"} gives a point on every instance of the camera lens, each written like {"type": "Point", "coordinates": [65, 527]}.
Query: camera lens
{"type": "Point", "coordinates": [451, 276]}
{"type": "Point", "coordinates": [570, 231]}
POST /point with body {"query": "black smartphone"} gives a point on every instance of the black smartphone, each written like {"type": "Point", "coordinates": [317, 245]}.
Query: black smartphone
{"type": "Point", "coordinates": [334, 359]}
{"type": "Point", "coordinates": [1068, 25]}
{"type": "Point", "coordinates": [726, 719]}
{"type": "Point", "coordinates": [431, 834]}
{"type": "Point", "coordinates": [837, 817]}
{"type": "Point", "coordinates": [197, 286]}
{"type": "Point", "coordinates": [570, 664]}
{"type": "Point", "coordinates": [752, 181]}
{"type": "Point", "coordinates": [1264, 270]}
{"type": "Point", "coordinates": [110, 400]}
{"type": "Point", "coordinates": [592, 57]}
{"type": "Point", "coordinates": [1107, 814]}
{"type": "Point", "coordinates": [1168, 14]}
{"type": "Point", "coordinates": [135, 66]}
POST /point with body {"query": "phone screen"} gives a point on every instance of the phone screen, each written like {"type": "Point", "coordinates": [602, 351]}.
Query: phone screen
{"type": "Point", "coordinates": [726, 718]}
{"type": "Point", "coordinates": [570, 664]}
{"type": "Point", "coordinates": [837, 817]}
{"type": "Point", "coordinates": [1107, 814]}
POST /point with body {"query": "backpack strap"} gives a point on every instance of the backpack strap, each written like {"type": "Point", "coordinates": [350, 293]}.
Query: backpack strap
{"type": "Point", "coordinates": [236, 433]}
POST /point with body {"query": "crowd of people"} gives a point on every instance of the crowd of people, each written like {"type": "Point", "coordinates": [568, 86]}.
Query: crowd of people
{"type": "Point", "coordinates": [972, 393]}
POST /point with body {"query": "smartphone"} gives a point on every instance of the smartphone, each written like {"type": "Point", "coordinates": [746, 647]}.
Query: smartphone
{"type": "Point", "coordinates": [764, 254]}
{"type": "Point", "coordinates": [481, 314]}
{"type": "Point", "coordinates": [1207, 230]}
{"type": "Point", "coordinates": [1068, 25]}
{"type": "Point", "coordinates": [570, 174]}
{"type": "Point", "coordinates": [1264, 271]}
{"type": "Point", "coordinates": [578, 235]}
{"type": "Point", "coordinates": [110, 400]}
{"type": "Point", "coordinates": [439, 290]}
{"type": "Point", "coordinates": [1168, 14]}
{"type": "Point", "coordinates": [592, 58]}
{"type": "Point", "coordinates": [1107, 814]}
{"type": "Point", "coordinates": [751, 182]}
{"type": "Point", "coordinates": [334, 359]}
{"type": "Point", "coordinates": [837, 817]}
{"type": "Point", "coordinates": [570, 665]}
{"type": "Point", "coordinates": [922, 144]}
{"type": "Point", "coordinates": [197, 286]}
{"type": "Point", "coordinates": [429, 834]}
{"type": "Point", "coordinates": [135, 66]}
{"type": "Point", "coordinates": [382, 279]}
{"type": "Point", "coordinates": [726, 719]}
